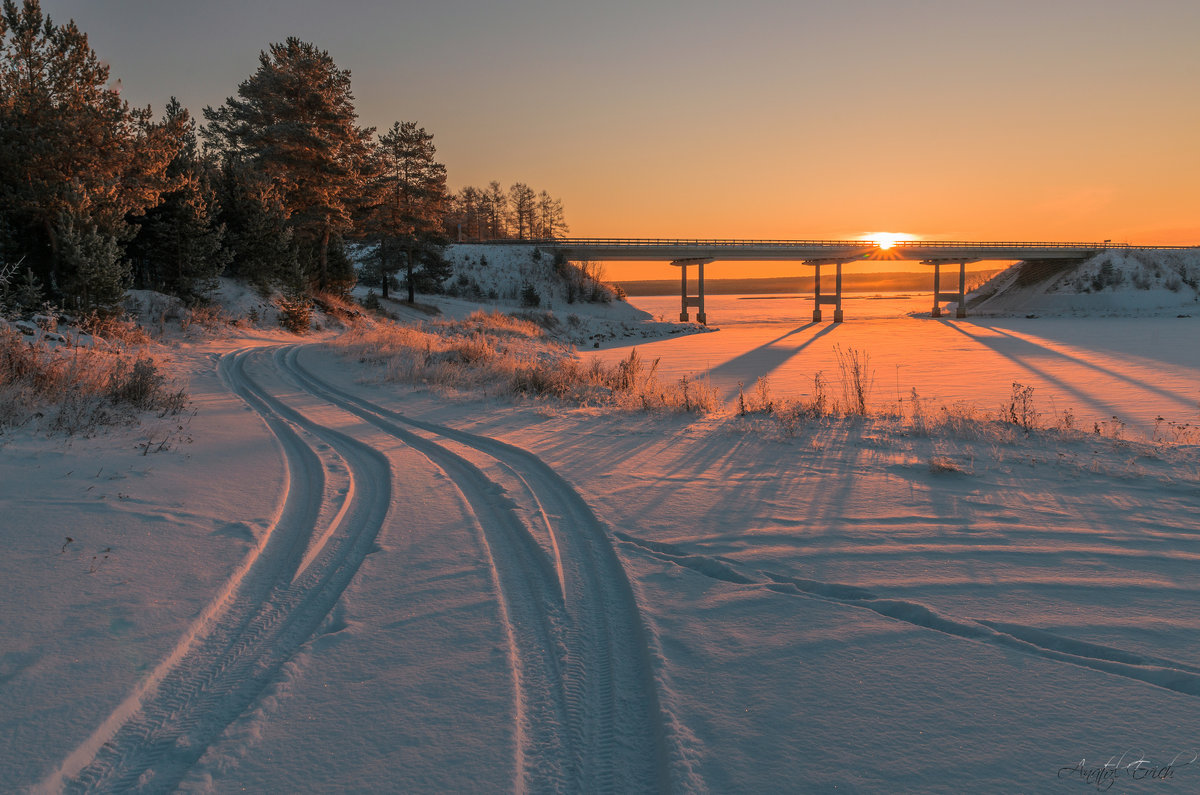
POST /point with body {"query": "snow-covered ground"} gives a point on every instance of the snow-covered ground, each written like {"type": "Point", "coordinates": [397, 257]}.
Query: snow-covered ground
{"type": "Point", "coordinates": [573, 308]}
{"type": "Point", "coordinates": [1116, 283]}
{"type": "Point", "coordinates": [326, 583]}
{"type": "Point", "coordinates": [1100, 366]}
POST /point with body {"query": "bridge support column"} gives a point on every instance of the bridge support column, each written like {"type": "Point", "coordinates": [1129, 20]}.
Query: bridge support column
{"type": "Point", "coordinates": [817, 293]}
{"type": "Point", "coordinates": [959, 297]}
{"type": "Point", "coordinates": [962, 290]}
{"type": "Point", "coordinates": [836, 298]}
{"type": "Point", "coordinates": [684, 299]}
{"type": "Point", "coordinates": [683, 302]}
{"type": "Point", "coordinates": [937, 289]}
{"type": "Point", "coordinates": [837, 310]}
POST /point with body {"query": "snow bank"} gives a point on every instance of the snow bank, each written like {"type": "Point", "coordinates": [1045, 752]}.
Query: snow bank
{"type": "Point", "coordinates": [1113, 283]}
{"type": "Point", "coordinates": [494, 277]}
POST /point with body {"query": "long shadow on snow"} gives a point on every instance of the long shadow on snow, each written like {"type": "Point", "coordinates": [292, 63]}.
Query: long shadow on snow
{"type": "Point", "coordinates": [1021, 351]}
{"type": "Point", "coordinates": [1044, 345]}
{"type": "Point", "coordinates": [765, 359]}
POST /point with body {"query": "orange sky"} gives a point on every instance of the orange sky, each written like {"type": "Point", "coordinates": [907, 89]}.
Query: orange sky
{"type": "Point", "coordinates": [948, 119]}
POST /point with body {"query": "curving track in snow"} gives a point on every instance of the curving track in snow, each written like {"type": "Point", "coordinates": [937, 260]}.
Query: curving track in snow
{"type": "Point", "coordinates": [274, 603]}
{"type": "Point", "coordinates": [586, 709]}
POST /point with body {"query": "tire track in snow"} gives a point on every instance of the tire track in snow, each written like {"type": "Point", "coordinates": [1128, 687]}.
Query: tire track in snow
{"type": "Point", "coordinates": [589, 709]}
{"type": "Point", "coordinates": [1158, 671]}
{"type": "Point", "coordinates": [274, 604]}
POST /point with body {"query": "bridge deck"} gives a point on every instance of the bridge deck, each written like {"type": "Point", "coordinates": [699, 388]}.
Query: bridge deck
{"type": "Point", "coordinates": [801, 250]}
{"type": "Point", "coordinates": [824, 252]}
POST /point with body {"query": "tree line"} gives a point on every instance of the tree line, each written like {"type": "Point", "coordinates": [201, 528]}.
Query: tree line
{"type": "Point", "coordinates": [279, 186]}
{"type": "Point", "coordinates": [491, 213]}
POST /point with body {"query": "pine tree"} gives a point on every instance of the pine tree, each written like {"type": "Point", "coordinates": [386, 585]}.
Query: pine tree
{"type": "Point", "coordinates": [294, 122]}
{"type": "Point", "coordinates": [178, 248]}
{"type": "Point", "coordinates": [259, 244]}
{"type": "Point", "coordinates": [73, 155]}
{"type": "Point", "coordinates": [409, 188]}
{"type": "Point", "coordinates": [98, 272]}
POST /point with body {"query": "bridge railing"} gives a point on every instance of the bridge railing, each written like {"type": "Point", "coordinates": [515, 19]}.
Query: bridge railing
{"type": "Point", "coordinates": [614, 242]}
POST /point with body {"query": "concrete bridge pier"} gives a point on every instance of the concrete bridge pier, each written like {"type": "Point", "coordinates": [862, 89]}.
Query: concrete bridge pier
{"type": "Point", "coordinates": [684, 299]}
{"type": "Point", "coordinates": [836, 298]}
{"type": "Point", "coordinates": [938, 296]}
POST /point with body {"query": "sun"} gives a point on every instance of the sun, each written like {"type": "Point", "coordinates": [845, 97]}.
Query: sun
{"type": "Point", "coordinates": [886, 240]}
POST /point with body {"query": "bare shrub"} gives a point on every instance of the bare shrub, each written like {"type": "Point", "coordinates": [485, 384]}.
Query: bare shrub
{"type": "Point", "coordinates": [857, 378]}
{"type": "Point", "coordinates": [818, 403]}
{"type": "Point", "coordinates": [79, 389]}
{"type": "Point", "coordinates": [918, 418]}
{"type": "Point", "coordinates": [1179, 433]}
{"type": "Point", "coordinates": [1113, 428]}
{"type": "Point", "coordinates": [1021, 410]}
{"type": "Point", "coordinates": [761, 400]}
{"type": "Point", "coordinates": [142, 385]}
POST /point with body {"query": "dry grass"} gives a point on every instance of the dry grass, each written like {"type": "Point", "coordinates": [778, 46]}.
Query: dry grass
{"type": "Point", "coordinates": [117, 332]}
{"type": "Point", "coordinates": [502, 354]}
{"type": "Point", "coordinates": [511, 355]}
{"type": "Point", "coordinates": [941, 465]}
{"type": "Point", "coordinates": [524, 325]}
{"type": "Point", "coordinates": [338, 307]}
{"type": "Point", "coordinates": [210, 319]}
{"type": "Point", "coordinates": [77, 390]}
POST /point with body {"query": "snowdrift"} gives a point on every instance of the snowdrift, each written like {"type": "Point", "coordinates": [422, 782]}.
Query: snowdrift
{"type": "Point", "coordinates": [1114, 283]}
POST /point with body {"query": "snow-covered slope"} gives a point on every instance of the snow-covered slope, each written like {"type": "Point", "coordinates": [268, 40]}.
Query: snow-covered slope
{"type": "Point", "coordinates": [1112, 283]}
{"type": "Point", "coordinates": [571, 305]}
{"type": "Point", "coordinates": [501, 272]}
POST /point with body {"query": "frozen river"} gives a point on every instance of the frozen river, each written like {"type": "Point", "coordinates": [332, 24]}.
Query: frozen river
{"type": "Point", "coordinates": [1133, 368]}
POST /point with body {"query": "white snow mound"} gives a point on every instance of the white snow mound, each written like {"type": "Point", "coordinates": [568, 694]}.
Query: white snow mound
{"type": "Point", "coordinates": [1114, 283]}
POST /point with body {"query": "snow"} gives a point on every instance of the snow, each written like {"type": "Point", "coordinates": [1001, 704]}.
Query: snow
{"type": "Point", "coordinates": [1134, 368]}
{"type": "Point", "coordinates": [493, 275]}
{"type": "Point", "coordinates": [325, 582]}
{"type": "Point", "coordinates": [1114, 283]}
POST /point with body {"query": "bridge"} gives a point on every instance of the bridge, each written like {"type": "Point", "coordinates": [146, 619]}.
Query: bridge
{"type": "Point", "coordinates": [816, 253]}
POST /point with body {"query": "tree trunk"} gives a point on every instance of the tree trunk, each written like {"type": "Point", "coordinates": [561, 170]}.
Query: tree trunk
{"type": "Point", "coordinates": [383, 267]}
{"type": "Point", "coordinates": [55, 266]}
{"type": "Point", "coordinates": [412, 289]}
{"type": "Point", "coordinates": [323, 259]}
